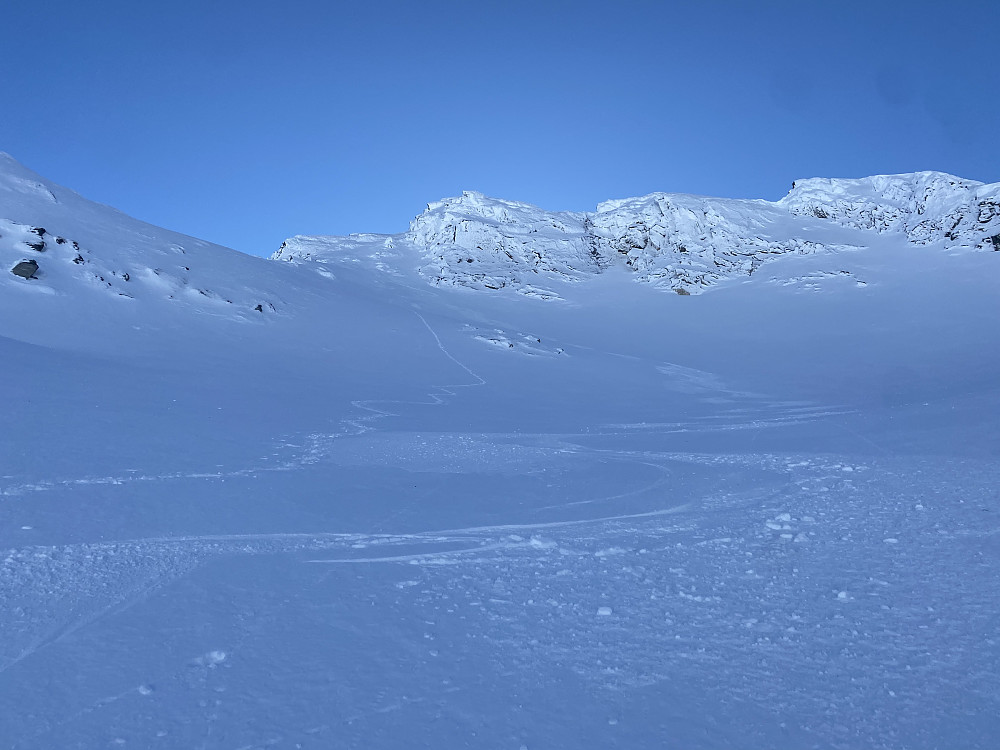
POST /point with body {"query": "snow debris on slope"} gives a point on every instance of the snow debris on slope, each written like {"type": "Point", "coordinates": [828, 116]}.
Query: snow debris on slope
{"type": "Point", "coordinates": [682, 243]}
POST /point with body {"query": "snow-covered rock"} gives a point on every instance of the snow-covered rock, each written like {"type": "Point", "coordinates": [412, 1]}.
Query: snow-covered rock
{"type": "Point", "coordinates": [925, 206]}
{"type": "Point", "coordinates": [680, 242]}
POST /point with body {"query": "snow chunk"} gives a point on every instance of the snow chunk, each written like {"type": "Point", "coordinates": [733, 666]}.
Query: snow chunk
{"type": "Point", "coordinates": [610, 551]}
{"type": "Point", "coordinates": [539, 543]}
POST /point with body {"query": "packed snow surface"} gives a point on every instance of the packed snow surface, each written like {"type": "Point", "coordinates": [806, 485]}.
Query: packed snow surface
{"type": "Point", "coordinates": [482, 485]}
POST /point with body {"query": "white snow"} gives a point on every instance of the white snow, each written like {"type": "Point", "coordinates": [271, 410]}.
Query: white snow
{"type": "Point", "coordinates": [527, 500]}
{"type": "Point", "coordinates": [679, 242]}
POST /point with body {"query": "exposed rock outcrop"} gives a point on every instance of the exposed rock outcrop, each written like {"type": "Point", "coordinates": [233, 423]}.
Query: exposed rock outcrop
{"type": "Point", "coordinates": [26, 269]}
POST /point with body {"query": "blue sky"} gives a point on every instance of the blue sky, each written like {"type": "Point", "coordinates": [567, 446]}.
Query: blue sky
{"type": "Point", "coordinates": [246, 122]}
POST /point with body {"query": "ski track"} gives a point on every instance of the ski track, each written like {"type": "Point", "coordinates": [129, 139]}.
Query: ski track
{"type": "Point", "coordinates": [318, 445]}
{"type": "Point", "coordinates": [78, 569]}
{"type": "Point", "coordinates": [760, 599]}
{"type": "Point", "coordinates": [180, 555]}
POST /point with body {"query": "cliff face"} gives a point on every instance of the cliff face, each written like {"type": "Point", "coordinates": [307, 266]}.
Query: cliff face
{"type": "Point", "coordinates": [680, 242]}
{"type": "Point", "coordinates": [924, 206]}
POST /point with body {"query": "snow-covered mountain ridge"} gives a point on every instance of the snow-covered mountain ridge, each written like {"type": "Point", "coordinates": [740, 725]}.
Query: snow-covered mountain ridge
{"type": "Point", "coordinates": [681, 242]}
{"type": "Point", "coordinates": [62, 244]}
{"type": "Point", "coordinates": [52, 240]}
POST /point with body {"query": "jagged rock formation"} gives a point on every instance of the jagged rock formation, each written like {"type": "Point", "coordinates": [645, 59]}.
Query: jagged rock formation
{"type": "Point", "coordinates": [681, 242]}
{"type": "Point", "coordinates": [925, 206]}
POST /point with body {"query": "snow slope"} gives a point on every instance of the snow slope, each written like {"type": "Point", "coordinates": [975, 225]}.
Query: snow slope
{"type": "Point", "coordinates": [567, 512]}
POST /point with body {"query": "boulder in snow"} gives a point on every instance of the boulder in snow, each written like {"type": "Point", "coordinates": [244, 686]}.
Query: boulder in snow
{"type": "Point", "coordinates": [25, 269]}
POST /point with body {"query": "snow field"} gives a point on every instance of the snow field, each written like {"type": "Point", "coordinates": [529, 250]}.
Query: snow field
{"type": "Point", "coordinates": [570, 511]}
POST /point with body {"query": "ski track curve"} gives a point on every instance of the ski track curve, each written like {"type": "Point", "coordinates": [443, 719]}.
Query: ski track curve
{"type": "Point", "coordinates": [317, 444]}
{"type": "Point", "coordinates": [760, 599]}
{"type": "Point", "coordinates": [176, 556]}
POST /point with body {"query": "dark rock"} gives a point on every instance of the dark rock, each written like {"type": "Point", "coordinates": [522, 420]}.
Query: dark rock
{"type": "Point", "coordinates": [683, 292]}
{"type": "Point", "coordinates": [60, 240]}
{"type": "Point", "coordinates": [79, 259]}
{"type": "Point", "coordinates": [39, 246]}
{"type": "Point", "coordinates": [40, 231]}
{"type": "Point", "coordinates": [259, 308]}
{"type": "Point", "coordinates": [25, 269]}
{"type": "Point", "coordinates": [995, 239]}
{"type": "Point", "coordinates": [126, 277]}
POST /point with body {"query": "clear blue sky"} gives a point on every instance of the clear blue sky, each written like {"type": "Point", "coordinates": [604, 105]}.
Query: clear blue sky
{"type": "Point", "coordinates": [245, 122]}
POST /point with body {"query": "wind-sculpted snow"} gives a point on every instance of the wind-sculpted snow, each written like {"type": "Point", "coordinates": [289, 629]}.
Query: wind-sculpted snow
{"type": "Point", "coordinates": [677, 242]}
